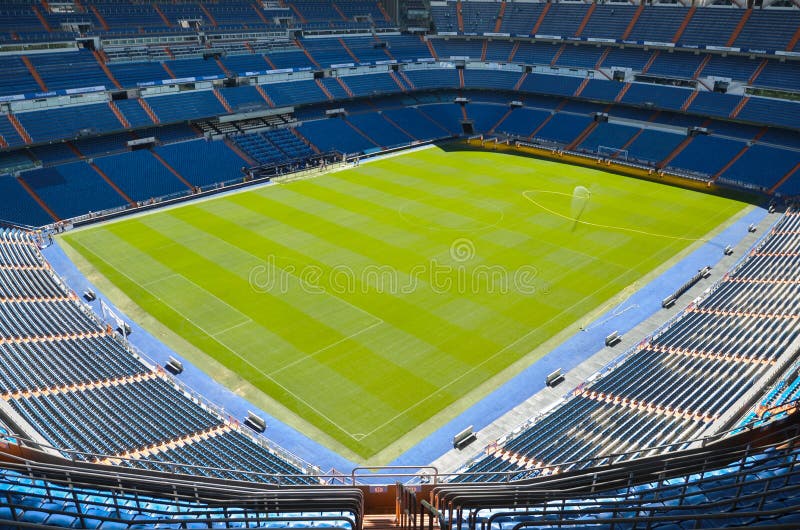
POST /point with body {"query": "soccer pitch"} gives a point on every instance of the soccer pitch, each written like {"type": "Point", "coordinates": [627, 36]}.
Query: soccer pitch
{"type": "Point", "coordinates": [373, 304]}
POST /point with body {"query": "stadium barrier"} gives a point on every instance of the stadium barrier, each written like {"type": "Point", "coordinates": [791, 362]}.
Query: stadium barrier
{"type": "Point", "coordinates": [663, 176]}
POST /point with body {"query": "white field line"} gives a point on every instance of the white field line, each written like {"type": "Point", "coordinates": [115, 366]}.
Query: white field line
{"type": "Point", "coordinates": [464, 374]}
{"type": "Point", "coordinates": [256, 368]}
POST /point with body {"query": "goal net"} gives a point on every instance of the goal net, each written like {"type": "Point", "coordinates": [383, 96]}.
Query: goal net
{"type": "Point", "coordinates": [612, 152]}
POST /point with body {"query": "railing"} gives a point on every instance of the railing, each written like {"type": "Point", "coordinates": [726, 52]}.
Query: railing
{"type": "Point", "coordinates": [180, 499]}
{"type": "Point", "coordinates": [551, 469]}
{"type": "Point", "coordinates": [76, 458]}
{"type": "Point", "coordinates": [555, 500]}
{"type": "Point", "coordinates": [416, 476]}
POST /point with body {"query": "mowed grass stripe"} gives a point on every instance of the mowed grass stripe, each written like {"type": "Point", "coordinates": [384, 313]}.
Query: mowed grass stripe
{"type": "Point", "coordinates": [178, 322]}
{"type": "Point", "coordinates": [218, 280]}
{"type": "Point", "coordinates": [363, 296]}
{"type": "Point", "coordinates": [168, 286]}
{"type": "Point", "coordinates": [365, 364]}
{"type": "Point", "coordinates": [321, 401]}
{"type": "Point", "coordinates": [484, 239]}
{"type": "Point", "coordinates": [193, 228]}
{"type": "Point", "coordinates": [221, 226]}
{"type": "Point", "coordinates": [459, 214]}
{"type": "Point", "coordinates": [331, 227]}
{"type": "Point", "coordinates": [304, 373]}
{"type": "Point", "coordinates": [378, 252]}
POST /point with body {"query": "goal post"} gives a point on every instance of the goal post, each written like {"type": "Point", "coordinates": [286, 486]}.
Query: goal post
{"type": "Point", "coordinates": [612, 152]}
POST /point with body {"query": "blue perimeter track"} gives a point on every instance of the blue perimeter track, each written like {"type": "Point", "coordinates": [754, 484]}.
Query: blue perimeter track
{"type": "Point", "coordinates": [639, 306]}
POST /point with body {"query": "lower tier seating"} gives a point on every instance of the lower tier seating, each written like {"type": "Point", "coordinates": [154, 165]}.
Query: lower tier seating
{"type": "Point", "coordinates": [75, 383]}
{"type": "Point", "coordinates": [673, 385]}
{"type": "Point", "coordinates": [746, 481]}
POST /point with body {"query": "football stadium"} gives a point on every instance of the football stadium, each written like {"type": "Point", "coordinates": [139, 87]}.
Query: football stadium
{"type": "Point", "coordinates": [399, 264]}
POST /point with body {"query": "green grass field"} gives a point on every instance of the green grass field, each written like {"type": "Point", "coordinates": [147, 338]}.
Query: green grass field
{"type": "Point", "coordinates": [373, 304]}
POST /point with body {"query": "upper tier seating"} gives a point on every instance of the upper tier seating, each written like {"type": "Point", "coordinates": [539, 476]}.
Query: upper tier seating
{"type": "Point", "coordinates": [181, 107]}
{"type": "Point", "coordinates": [609, 21]}
{"type": "Point", "coordinates": [536, 53]}
{"type": "Point", "coordinates": [675, 65]}
{"type": "Point", "coordinates": [368, 50]}
{"type": "Point", "coordinates": [371, 84]}
{"type": "Point", "coordinates": [251, 62]}
{"type": "Point", "coordinates": [774, 111]}
{"type": "Point", "coordinates": [478, 16]}
{"type": "Point", "coordinates": [9, 133]}
{"type": "Point", "coordinates": [488, 79]}
{"type": "Point", "coordinates": [519, 18]}
{"type": "Point", "coordinates": [658, 23]}
{"type": "Point", "coordinates": [191, 68]}
{"type": "Point", "coordinates": [732, 66]}
{"type": "Point", "coordinates": [16, 78]}
{"type": "Point", "coordinates": [777, 75]}
{"type": "Point", "coordinates": [601, 89]}
{"type": "Point", "coordinates": [403, 47]}
{"type": "Point", "coordinates": [579, 56]}
{"type": "Point", "coordinates": [69, 70]}
{"type": "Point", "coordinates": [656, 95]}
{"type": "Point", "coordinates": [551, 84]}
{"type": "Point", "coordinates": [69, 122]}
{"type": "Point", "coordinates": [327, 52]}
{"type": "Point", "coordinates": [447, 48]}
{"type": "Point", "coordinates": [244, 98]}
{"type": "Point", "coordinates": [295, 92]}
{"type": "Point", "coordinates": [433, 78]}
{"type": "Point", "coordinates": [711, 26]}
{"type": "Point", "coordinates": [770, 29]}
{"type": "Point", "coordinates": [562, 19]}
{"type": "Point", "coordinates": [102, 145]}
{"type": "Point", "coordinates": [714, 104]}
{"type": "Point", "coordinates": [134, 112]}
